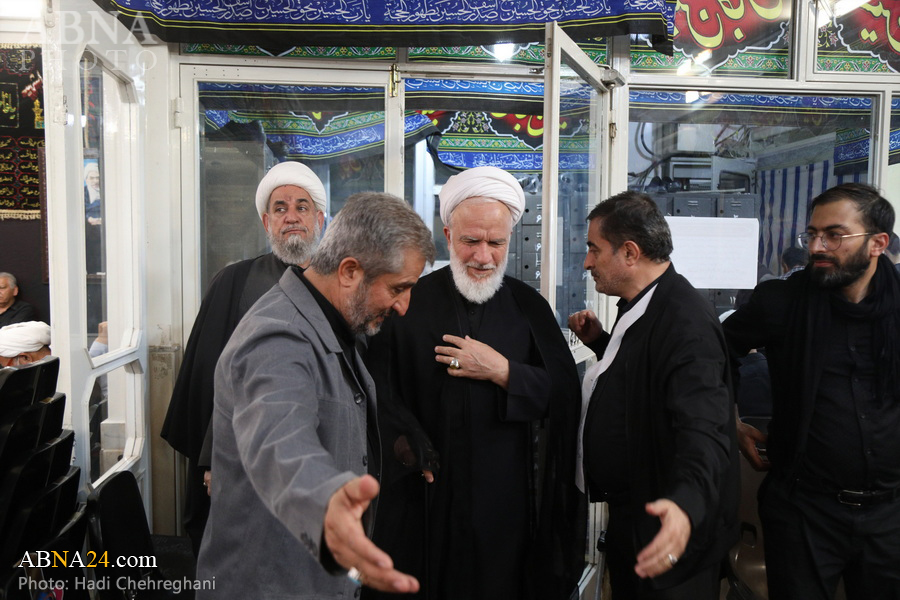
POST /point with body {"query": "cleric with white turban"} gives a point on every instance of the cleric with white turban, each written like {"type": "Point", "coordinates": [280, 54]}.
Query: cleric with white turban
{"type": "Point", "coordinates": [292, 229]}
{"type": "Point", "coordinates": [290, 173]}
{"type": "Point", "coordinates": [482, 182]}
{"type": "Point", "coordinates": [477, 359]}
{"type": "Point", "coordinates": [27, 341]}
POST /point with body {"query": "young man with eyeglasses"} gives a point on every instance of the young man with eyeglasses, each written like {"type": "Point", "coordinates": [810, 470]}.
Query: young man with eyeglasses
{"type": "Point", "coordinates": [830, 505]}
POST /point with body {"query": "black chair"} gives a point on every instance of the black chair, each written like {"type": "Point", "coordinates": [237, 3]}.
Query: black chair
{"type": "Point", "coordinates": [54, 409]}
{"type": "Point", "coordinates": [26, 479]}
{"type": "Point", "coordinates": [118, 527]}
{"type": "Point", "coordinates": [30, 525]}
{"type": "Point", "coordinates": [62, 454]}
{"type": "Point", "coordinates": [23, 481]}
{"type": "Point", "coordinates": [20, 431]}
{"type": "Point", "coordinates": [76, 579]}
{"type": "Point", "coordinates": [45, 380]}
{"type": "Point", "coordinates": [21, 386]}
{"type": "Point", "coordinates": [67, 504]}
{"type": "Point", "coordinates": [71, 538]}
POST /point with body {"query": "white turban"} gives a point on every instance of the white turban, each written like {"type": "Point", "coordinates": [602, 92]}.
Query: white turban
{"type": "Point", "coordinates": [29, 336]}
{"type": "Point", "coordinates": [91, 167]}
{"type": "Point", "coordinates": [487, 182]}
{"type": "Point", "coordinates": [289, 173]}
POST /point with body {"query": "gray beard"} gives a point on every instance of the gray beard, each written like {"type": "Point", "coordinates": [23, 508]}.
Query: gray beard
{"type": "Point", "coordinates": [361, 321]}
{"type": "Point", "coordinates": [477, 291]}
{"type": "Point", "coordinates": [295, 249]}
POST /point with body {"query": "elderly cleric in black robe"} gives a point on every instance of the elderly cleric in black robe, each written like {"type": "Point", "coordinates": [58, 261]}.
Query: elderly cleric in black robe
{"type": "Point", "coordinates": [477, 385]}
{"type": "Point", "coordinates": [231, 293]}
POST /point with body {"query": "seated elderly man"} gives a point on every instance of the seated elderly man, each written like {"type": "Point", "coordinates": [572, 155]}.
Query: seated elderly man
{"type": "Point", "coordinates": [24, 343]}
{"type": "Point", "coordinates": [12, 310]}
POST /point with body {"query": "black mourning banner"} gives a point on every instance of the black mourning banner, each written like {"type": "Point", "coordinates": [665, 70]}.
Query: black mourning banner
{"type": "Point", "coordinates": [21, 131]}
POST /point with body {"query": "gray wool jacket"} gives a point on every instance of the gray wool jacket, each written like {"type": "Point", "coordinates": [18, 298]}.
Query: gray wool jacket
{"type": "Point", "coordinates": [290, 429]}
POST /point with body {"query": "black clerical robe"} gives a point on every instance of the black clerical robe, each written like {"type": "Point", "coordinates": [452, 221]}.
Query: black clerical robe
{"type": "Point", "coordinates": [493, 524]}
{"type": "Point", "coordinates": [231, 293]}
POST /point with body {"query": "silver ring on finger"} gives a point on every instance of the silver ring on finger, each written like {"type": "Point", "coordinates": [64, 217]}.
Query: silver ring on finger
{"type": "Point", "coordinates": [454, 363]}
{"type": "Point", "coordinates": [672, 559]}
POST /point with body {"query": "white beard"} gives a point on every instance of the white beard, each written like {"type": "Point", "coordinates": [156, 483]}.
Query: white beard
{"type": "Point", "coordinates": [477, 291]}
{"type": "Point", "coordinates": [293, 250]}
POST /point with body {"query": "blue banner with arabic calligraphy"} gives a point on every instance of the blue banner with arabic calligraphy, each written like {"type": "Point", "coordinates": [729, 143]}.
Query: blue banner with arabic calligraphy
{"type": "Point", "coordinates": [305, 123]}
{"type": "Point", "coordinates": [472, 123]}
{"type": "Point", "coordinates": [401, 23]}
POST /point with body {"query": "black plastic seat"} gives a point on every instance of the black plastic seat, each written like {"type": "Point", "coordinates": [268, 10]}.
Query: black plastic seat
{"type": "Point", "coordinates": [20, 432]}
{"type": "Point", "coordinates": [54, 409]}
{"type": "Point", "coordinates": [41, 517]}
{"type": "Point", "coordinates": [21, 386]}
{"type": "Point", "coordinates": [26, 479]}
{"type": "Point", "coordinates": [118, 526]}
{"type": "Point", "coordinates": [69, 539]}
{"type": "Point", "coordinates": [62, 454]}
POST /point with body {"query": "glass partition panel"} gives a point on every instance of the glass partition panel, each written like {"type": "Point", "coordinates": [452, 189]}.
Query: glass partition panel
{"type": "Point", "coordinates": [891, 179]}
{"type": "Point", "coordinates": [579, 188]}
{"type": "Point", "coordinates": [107, 416]}
{"type": "Point", "coordinates": [760, 156]}
{"type": "Point", "coordinates": [482, 123]}
{"type": "Point", "coordinates": [105, 127]}
{"type": "Point", "coordinates": [855, 36]}
{"type": "Point", "coordinates": [94, 168]}
{"type": "Point", "coordinates": [246, 128]}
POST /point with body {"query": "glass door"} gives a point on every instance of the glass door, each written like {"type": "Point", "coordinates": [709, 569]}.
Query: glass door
{"type": "Point", "coordinates": [244, 120]}
{"type": "Point", "coordinates": [576, 147]}
{"type": "Point", "coordinates": [97, 292]}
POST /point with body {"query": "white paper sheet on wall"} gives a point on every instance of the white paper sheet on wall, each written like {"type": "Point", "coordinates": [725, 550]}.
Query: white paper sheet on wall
{"type": "Point", "coordinates": [715, 253]}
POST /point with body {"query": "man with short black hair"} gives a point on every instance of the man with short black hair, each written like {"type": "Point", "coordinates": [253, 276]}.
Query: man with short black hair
{"type": "Point", "coordinates": [12, 310]}
{"type": "Point", "coordinates": [830, 504]}
{"type": "Point", "coordinates": [658, 444]}
{"type": "Point", "coordinates": [296, 442]}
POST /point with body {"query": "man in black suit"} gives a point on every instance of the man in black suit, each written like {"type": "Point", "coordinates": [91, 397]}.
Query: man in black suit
{"type": "Point", "coordinates": [657, 414]}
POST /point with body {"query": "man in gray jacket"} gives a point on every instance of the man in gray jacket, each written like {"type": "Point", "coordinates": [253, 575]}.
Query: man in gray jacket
{"type": "Point", "coordinates": [296, 442]}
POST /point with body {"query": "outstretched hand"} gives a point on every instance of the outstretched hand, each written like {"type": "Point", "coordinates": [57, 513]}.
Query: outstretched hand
{"type": "Point", "coordinates": [349, 545]}
{"type": "Point", "coordinates": [670, 542]}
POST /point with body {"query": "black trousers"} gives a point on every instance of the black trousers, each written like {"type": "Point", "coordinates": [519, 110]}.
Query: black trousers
{"type": "Point", "coordinates": [812, 540]}
{"type": "Point", "coordinates": [621, 556]}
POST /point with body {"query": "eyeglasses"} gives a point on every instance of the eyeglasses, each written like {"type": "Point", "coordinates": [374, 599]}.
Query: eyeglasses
{"type": "Point", "coordinates": [831, 240]}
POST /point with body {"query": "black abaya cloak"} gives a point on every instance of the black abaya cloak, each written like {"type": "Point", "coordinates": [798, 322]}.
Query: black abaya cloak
{"type": "Point", "coordinates": [503, 518]}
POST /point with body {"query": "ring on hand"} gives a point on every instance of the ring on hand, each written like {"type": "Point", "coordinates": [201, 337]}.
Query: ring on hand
{"type": "Point", "coordinates": [672, 559]}
{"type": "Point", "coordinates": [355, 576]}
{"type": "Point", "coordinates": [454, 364]}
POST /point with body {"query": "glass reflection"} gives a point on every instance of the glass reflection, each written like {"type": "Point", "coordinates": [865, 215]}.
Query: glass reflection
{"type": "Point", "coordinates": [733, 155]}
{"type": "Point", "coordinates": [106, 418]}
{"type": "Point", "coordinates": [94, 208]}
{"type": "Point", "coordinates": [246, 128]}
{"type": "Point", "coordinates": [579, 185]}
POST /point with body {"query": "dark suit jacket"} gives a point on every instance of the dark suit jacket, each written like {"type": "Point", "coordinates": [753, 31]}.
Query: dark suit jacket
{"type": "Point", "coordinates": [672, 369]}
